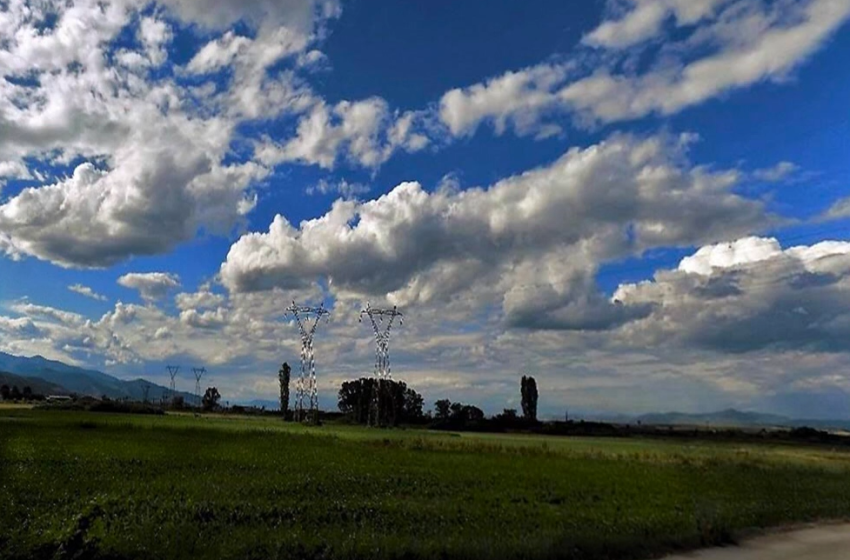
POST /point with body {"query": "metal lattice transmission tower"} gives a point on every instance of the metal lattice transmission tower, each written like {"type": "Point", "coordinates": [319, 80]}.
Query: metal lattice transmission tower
{"type": "Point", "coordinates": [198, 373]}
{"type": "Point", "coordinates": [382, 323]}
{"type": "Point", "coordinates": [172, 372]}
{"type": "Point", "coordinates": [308, 321]}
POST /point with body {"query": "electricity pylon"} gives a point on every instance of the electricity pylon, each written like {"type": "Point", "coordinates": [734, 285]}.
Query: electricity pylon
{"type": "Point", "coordinates": [308, 321]}
{"type": "Point", "coordinates": [382, 353]}
{"type": "Point", "coordinates": [172, 372]}
{"type": "Point", "coordinates": [198, 373]}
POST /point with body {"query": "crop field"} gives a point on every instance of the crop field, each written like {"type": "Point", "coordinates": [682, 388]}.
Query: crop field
{"type": "Point", "coordinates": [86, 485]}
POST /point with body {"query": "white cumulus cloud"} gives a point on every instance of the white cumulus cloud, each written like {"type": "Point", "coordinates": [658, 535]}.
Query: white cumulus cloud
{"type": "Point", "coordinates": [365, 132]}
{"type": "Point", "coordinates": [152, 155]}
{"type": "Point", "coordinates": [151, 285]}
{"type": "Point", "coordinates": [748, 295]}
{"type": "Point", "coordinates": [532, 240]}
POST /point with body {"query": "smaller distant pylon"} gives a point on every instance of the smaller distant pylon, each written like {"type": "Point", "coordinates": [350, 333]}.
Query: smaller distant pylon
{"type": "Point", "coordinates": [172, 373]}
{"type": "Point", "coordinates": [198, 373]}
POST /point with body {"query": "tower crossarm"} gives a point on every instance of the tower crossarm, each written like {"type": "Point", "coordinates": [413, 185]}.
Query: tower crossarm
{"type": "Point", "coordinates": [377, 316]}
{"type": "Point", "coordinates": [303, 314]}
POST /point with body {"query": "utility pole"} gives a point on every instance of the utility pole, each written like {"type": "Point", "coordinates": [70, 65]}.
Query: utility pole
{"type": "Point", "coordinates": [308, 321]}
{"type": "Point", "coordinates": [172, 372]}
{"type": "Point", "coordinates": [382, 352]}
{"type": "Point", "coordinates": [146, 388]}
{"type": "Point", "coordinates": [198, 373]}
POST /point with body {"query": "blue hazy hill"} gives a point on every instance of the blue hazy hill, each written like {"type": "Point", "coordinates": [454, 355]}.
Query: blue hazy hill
{"type": "Point", "coordinates": [81, 380]}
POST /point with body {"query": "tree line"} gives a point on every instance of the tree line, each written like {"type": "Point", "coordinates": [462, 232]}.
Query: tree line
{"type": "Point", "coordinates": [13, 393]}
{"type": "Point", "coordinates": [388, 402]}
{"type": "Point", "coordinates": [456, 415]}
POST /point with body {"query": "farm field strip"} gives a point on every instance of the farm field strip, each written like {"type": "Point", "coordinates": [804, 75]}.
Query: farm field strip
{"type": "Point", "coordinates": [179, 486]}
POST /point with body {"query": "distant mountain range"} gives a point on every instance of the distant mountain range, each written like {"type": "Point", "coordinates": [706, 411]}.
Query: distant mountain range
{"type": "Point", "coordinates": [728, 417]}
{"type": "Point", "coordinates": [736, 418]}
{"type": "Point", "coordinates": [52, 377]}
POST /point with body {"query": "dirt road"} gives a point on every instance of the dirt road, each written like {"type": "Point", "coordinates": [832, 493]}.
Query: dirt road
{"type": "Point", "coordinates": [830, 542]}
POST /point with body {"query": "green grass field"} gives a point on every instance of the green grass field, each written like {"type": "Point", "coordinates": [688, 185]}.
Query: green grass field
{"type": "Point", "coordinates": [85, 485]}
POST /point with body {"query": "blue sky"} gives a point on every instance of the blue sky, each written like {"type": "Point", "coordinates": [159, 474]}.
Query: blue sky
{"type": "Point", "coordinates": [612, 196]}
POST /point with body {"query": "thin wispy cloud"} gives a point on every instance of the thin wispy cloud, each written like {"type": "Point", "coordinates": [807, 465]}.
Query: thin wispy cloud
{"type": "Point", "coordinates": [86, 291]}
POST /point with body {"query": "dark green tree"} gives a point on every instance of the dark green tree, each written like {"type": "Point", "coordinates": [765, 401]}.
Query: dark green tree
{"type": "Point", "coordinates": [508, 418]}
{"type": "Point", "coordinates": [413, 405]}
{"type": "Point", "coordinates": [5, 392]}
{"type": "Point", "coordinates": [355, 399]}
{"type": "Point", "coordinates": [442, 409]}
{"type": "Point", "coordinates": [528, 392]}
{"type": "Point", "coordinates": [469, 413]}
{"type": "Point", "coordinates": [509, 414]}
{"type": "Point", "coordinates": [283, 377]}
{"type": "Point", "coordinates": [391, 393]}
{"type": "Point", "coordinates": [457, 414]}
{"type": "Point", "coordinates": [211, 398]}
{"type": "Point", "coordinates": [398, 402]}
{"type": "Point", "coordinates": [16, 393]}
{"type": "Point", "coordinates": [27, 393]}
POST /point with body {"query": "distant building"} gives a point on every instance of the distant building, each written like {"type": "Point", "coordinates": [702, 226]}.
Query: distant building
{"type": "Point", "coordinates": [58, 398]}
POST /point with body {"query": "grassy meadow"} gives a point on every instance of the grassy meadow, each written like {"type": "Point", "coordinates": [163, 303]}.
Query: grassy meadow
{"type": "Point", "coordinates": [86, 485]}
